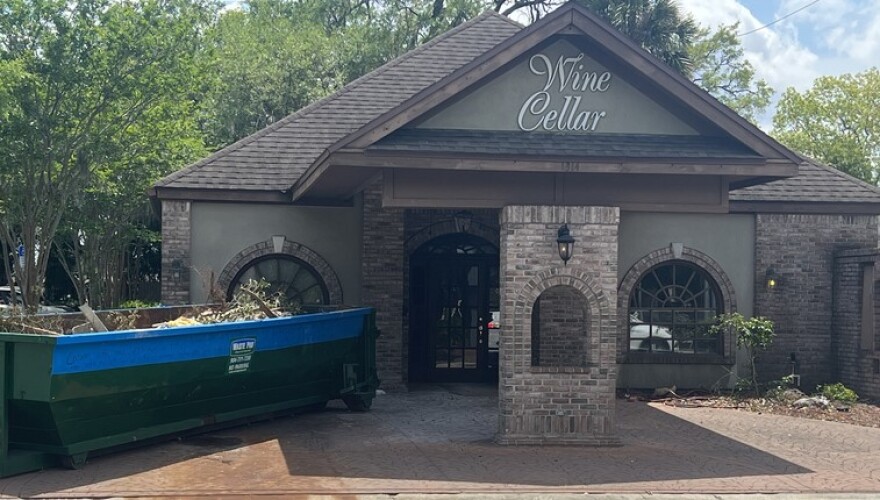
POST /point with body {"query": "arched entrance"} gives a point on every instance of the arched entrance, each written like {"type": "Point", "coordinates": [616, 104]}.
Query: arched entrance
{"type": "Point", "coordinates": [454, 296]}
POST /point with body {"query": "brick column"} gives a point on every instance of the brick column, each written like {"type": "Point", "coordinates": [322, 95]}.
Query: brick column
{"type": "Point", "coordinates": [382, 283]}
{"type": "Point", "coordinates": [558, 400]}
{"type": "Point", "coordinates": [176, 234]}
{"type": "Point", "coordinates": [856, 302]}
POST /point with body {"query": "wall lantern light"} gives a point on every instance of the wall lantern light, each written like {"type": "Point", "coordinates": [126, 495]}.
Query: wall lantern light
{"type": "Point", "coordinates": [565, 243]}
{"type": "Point", "coordinates": [463, 221]}
{"type": "Point", "coordinates": [772, 279]}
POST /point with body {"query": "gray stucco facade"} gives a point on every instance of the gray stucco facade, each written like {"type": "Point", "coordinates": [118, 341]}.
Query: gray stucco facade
{"type": "Point", "coordinates": [222, 230]}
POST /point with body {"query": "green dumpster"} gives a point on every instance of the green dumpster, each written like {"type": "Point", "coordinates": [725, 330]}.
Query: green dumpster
{"type": "Point", "coordinates": [65, 396]}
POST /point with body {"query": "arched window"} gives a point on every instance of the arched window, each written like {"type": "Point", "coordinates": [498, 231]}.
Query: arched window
{"type": "Point", "coordinates": [671, 309]}
{"type": "Point", "coordinates": [292, 277]}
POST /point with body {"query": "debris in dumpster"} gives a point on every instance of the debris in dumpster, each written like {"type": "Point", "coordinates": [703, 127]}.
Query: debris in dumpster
{"type": "Point", "coordinates": [251, 301]}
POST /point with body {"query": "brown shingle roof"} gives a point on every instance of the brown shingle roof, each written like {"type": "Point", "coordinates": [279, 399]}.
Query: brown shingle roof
{"type": "Point", "coordinates": [815, 183]}
{"type": "Point", "coordinates": [275, 157]}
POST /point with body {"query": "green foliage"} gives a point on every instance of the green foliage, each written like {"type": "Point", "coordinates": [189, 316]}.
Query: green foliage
{"type": "Point", "coordinates": [838, 392]}
{"type": "Point", "coordinates": [92, 72]}
{"type": "Point", "coordinates": [137, 304]}
{"type": "Point", "coordinates": [753, 334]}
{"type": "Point", "coordinates": [835, 121]}
{"type": "Point", "coordinates": [720, 68]}
{"type": "Point", "coordinates": [274, 57]}
{"type": "Point", "coordinates": [658, 26]}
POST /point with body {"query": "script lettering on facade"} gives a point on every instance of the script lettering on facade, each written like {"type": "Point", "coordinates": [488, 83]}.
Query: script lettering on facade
{"type": "Point", "coordinates": [541, 112]}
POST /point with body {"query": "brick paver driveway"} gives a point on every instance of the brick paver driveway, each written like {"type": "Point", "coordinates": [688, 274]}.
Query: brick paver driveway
{"type": "Point", "coordinates": [439, 439]}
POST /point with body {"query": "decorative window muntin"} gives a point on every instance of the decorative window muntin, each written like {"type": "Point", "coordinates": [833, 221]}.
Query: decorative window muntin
{"type": "Point", "coordinates": [671, 309]}
{"type": "Point", "coordinates": [293, 278]}
{"type": "Point", "coordinates": [457, 244]}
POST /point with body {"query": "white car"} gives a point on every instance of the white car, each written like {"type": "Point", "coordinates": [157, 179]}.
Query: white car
{"type": "Point", "coordinates": [642, 339]}
{"type": "Point", "coordinates": [6, 303]}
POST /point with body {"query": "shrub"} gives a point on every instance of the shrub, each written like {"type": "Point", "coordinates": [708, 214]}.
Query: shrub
{"type": "Point", "coordinates": [754, 334]}
{"type": "Point", "coordinates": [838, 392]}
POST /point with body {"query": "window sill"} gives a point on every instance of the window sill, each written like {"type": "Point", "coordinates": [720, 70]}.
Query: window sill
{"type": "Point", "coordinates": [675, 359]}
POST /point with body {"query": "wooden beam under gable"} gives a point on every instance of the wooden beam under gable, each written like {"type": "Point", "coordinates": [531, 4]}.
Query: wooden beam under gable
{"type": "Point", "coordinates": [673, 166]}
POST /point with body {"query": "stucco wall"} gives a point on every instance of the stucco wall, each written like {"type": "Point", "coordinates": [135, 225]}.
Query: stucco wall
{"type": "Point", "coordinates": [728, 239]}
{"type": "Point", "coordinates": [221, 230]}
{"type": "Point", "coordinates": [498, 104]}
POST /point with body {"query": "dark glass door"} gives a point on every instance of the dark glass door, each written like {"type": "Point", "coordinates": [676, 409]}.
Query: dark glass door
{"type": "Point", "coordinates": [453, 297]}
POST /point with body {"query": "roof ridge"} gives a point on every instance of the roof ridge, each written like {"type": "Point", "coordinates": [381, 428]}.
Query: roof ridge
{"type": "Point", "coordinates": [326, 99]}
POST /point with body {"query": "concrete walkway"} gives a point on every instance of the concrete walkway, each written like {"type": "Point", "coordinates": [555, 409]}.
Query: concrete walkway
{"type": "Point", "coordinates": [438, 439]}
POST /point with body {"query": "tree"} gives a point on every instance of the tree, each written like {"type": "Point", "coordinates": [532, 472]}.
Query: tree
{"type": "Point", "coordinates": [105, 225]}
{"type": "Point", "coordinates": [754, 334]}
{"type": "Point", "coordinates": [274, 57]}
{"type": "Point", "coordinates": [720, 68]}
{"type": "Point", "coordinates": [267, 61]}
{"type": "Point", "coordinates": [836, 121]}
{"type": "Point", "coordinates": [90, 69]}
{"type": "Point", "coordinates": [658, 26]}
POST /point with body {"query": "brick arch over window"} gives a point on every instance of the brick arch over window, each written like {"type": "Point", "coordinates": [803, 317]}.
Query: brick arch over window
{"type": "Point", "coordinates": [290, 248]}
{"type": "Point", "coordinates": [443, 228]}
{"type": "Point", "coordinates": [659, 256]}
{"type": "Point", "coordinates": [601, 341]}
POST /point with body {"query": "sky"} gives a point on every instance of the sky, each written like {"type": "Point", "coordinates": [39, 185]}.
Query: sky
{"type": "Point", "coordinates": [828, 37]}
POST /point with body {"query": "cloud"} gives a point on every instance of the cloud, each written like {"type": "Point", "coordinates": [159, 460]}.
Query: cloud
{"type": "Point", "coordinates": [776, 52]}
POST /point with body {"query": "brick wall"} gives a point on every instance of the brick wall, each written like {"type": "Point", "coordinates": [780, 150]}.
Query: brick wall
{"type": "Point", "coordinates": [559, 328]}
{"type": "Point", "coordinates": [858, 365]}
{"type": "Point", "coordinates": [567, 404]}
{"type": "Point", "coordinates": [800, 248]}
{"type": "Point", "coordinates": [176, 233]}
{"type": "Point", "coordinates": [382, 283]}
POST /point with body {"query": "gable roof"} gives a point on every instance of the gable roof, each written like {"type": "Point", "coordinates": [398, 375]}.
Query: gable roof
{"type": "Point", "coordinates": [630, 60]}
{"type": "Point", "coordinates": [573, 19]}
{"type": "Point", "coordinates": [265, 165]}
{"type": "Point", "coordinates": [274, 158]}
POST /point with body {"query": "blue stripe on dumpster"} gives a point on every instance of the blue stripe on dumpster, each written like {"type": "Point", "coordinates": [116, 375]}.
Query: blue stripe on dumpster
{"type": "Point", "coordinates": [106, 351]}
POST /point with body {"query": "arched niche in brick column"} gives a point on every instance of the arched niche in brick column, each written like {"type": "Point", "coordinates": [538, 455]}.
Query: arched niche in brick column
{"type": "Point", "coordinates": [652, 260]}
{"type": "Point", "coordinates": [577, 289]}
{"type": "Point", "coordinates": [561, 329]}
{"type": "Point", "coordinates": [568, 396]}
{"type": "Point", "coordinates": [307, 258]}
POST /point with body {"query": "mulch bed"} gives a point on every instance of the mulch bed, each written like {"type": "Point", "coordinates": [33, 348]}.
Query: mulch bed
{"type": "Point", "coordinates": [865, 414]}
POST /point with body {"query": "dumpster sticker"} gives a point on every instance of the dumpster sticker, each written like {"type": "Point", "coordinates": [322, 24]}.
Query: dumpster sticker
{"type": "Point", "coordinates": [240, 354]}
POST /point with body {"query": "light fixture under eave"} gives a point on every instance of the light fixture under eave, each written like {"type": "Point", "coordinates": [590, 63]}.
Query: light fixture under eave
{"type": "Point", "coordinates": [565, 243]}
{"type": "Point", "coordinates": [463, 221]}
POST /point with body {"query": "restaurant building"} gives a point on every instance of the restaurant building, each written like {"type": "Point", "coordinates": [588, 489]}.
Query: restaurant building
{"type": "Point", "coordinates": [444, 188]}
